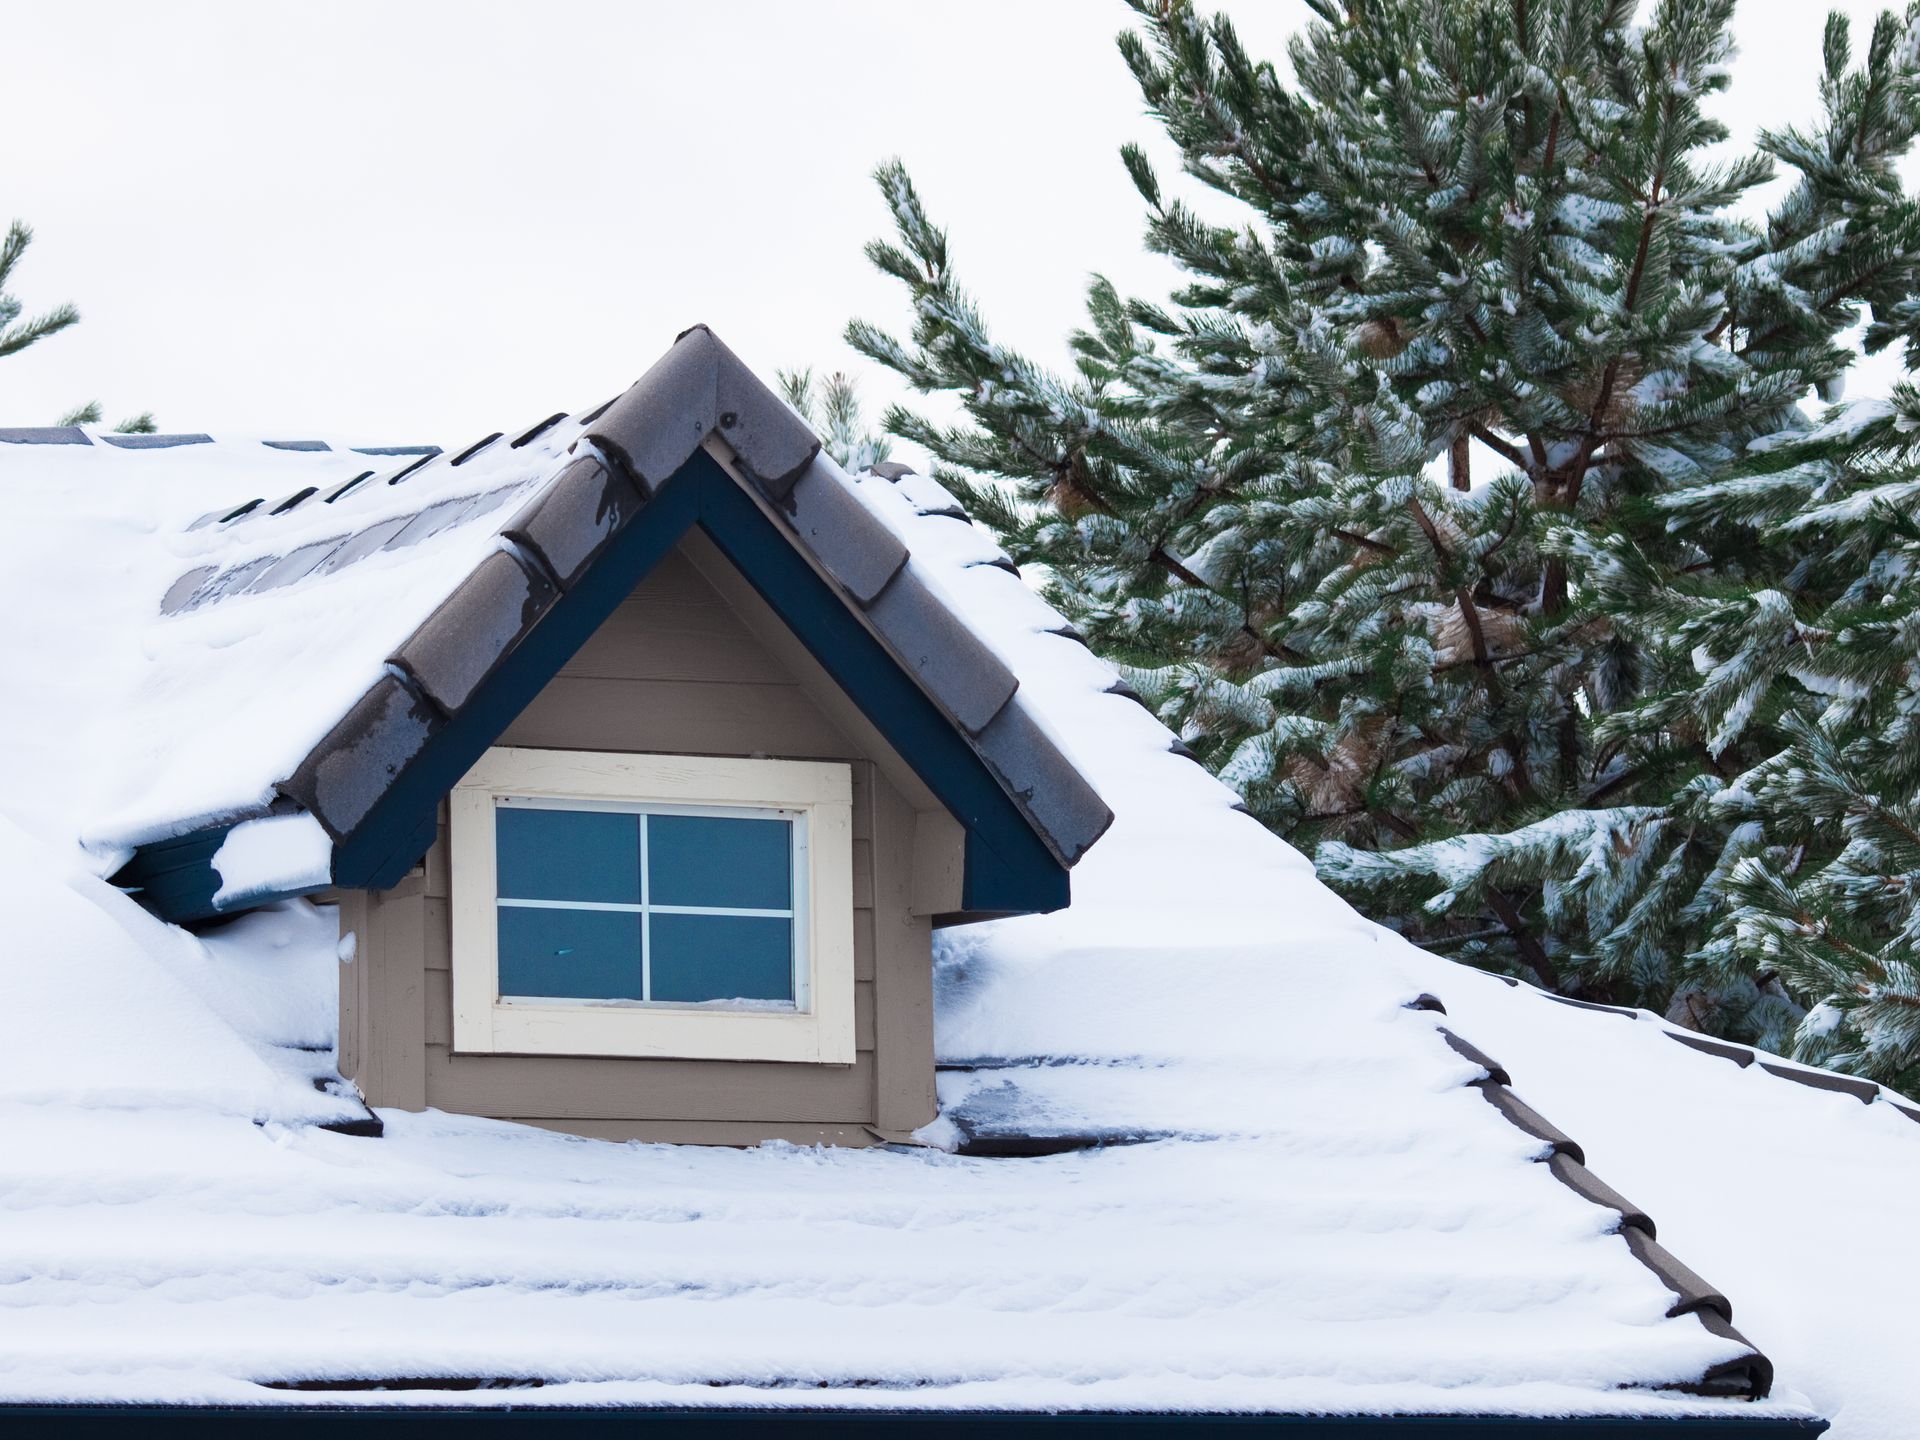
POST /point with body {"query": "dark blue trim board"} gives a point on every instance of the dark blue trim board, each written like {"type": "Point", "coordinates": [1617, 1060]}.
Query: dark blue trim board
{"type": "Point", "coordinates": [1008, 869]}
{"type": "Point", "coordinates": [165, 1423]}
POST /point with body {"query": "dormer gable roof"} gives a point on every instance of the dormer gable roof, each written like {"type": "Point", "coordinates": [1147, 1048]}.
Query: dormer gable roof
{"type": "Point", "coordinates": [510, 553]}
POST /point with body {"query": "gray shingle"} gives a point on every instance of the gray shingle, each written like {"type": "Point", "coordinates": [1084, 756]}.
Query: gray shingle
{"type": "Point", "coordinates": [353, 765]}
{"type": "Point", "coordinates": [358, 547]}
{"type": "Point", "coordinates": [848, 540]}
{"type": "Point", "coordinates": [968, 680]}
{"type": "Point", "coordinates": [442, 515]}
{"type": "Point", "coordinates": [662, 418]}
{"type": "Point", "coordinates": [184, 589]}
{"type": "Point", "coordinates": [488, 613]}
{"type": "Point", "coordinates": [296, 444]}
{"type": "Point", "coordinates": [698, 388]}
{"type": "Point", "coordinates": [297, 564]}
{"type": "Point", "coordinates": [1068, 812]}
{"type": "Point", "coordinates": [570, 521]}
{"type": "Point", "coordinates": [155, 442]}
{"type": "Point", "coordinates": [43, 435]}
{"type": "Point", "coordinates": [230, 582]}
{"type": "Point", "coordinates": [428, 450]}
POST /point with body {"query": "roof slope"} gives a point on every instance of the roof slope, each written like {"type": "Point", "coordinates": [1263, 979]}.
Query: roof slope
{"type": "Point", "coordinates": [1334, 1218]}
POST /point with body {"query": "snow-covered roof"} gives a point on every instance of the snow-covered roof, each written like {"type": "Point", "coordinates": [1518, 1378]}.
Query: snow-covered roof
{"type": "Point", "coordinates": [309, 648]}
{"type": "Point", "coordinates": [1333, 1206]}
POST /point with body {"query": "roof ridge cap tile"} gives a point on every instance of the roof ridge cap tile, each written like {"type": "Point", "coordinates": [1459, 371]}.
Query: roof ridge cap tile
{"type": "Point", "coordinates": [701, 388]}
{"type": "Point", "coordinates": [1748, 1376]}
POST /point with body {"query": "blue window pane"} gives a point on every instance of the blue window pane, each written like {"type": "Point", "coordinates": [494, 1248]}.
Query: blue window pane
{"type": "Point", "coordinates": [722, 957]}
{"type": "Point", "coordinates": [567, 854]}
{"type": "Point", "coordinates": [704, 860]}
{"type": "Point", "coordinates": [570, 954]}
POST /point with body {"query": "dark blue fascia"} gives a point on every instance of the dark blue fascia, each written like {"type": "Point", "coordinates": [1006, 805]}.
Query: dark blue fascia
{"type": "Point", "coordinates": [1008, 870]}
{"type": "Point", "coordinates": [723, 1423]}
{"type": "Point", "coordinates": [176, 880]}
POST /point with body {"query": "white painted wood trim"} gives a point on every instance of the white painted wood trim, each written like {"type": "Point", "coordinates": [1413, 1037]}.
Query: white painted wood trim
{"type": "Point", "coordinates": [821, 1033]}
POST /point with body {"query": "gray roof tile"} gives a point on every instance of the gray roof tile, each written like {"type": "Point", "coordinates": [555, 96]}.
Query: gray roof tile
{"type": "Point", "coordinates": [428, 450]}
{"type": "Point", "coordinates": [1064, 807]}
{"type": "Point", "coordinates": [479, 624]}
{"type": "Point", "coordinates": [297, 564]}
{"type": "Point", "coordinates": [185, 588]}
{"type": "Point", "coordinates": [231, 582]}
{"type": "Point", "coordinates": [359, 546]}
{"type": "Point", "coordinates": [851, 544]}
{"type": "Point", "coordinates": [155, 442]}
{"type": "Point", "coordinates": [700, 388]}
{"type": "Point", "coordinates": [570, 521]}
{"type": "Point", "coordinates": [429, 522]}
{"type": "Point", "coordinates": [296, 444]}
{"type": "Point", "coordinates": [43, 435]}
{"type": "Point", "coordinates": [353, 765]}
{"type": "Point", "coordinates": [968, 680]}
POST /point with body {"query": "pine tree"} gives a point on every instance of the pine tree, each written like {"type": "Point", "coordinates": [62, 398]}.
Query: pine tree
{"type": "Point", "coordinates": [17, 334]}
{"type": "Point", "coordinates": [832, 408]}
{"type": "Point", "coordinates": [1804, 680]}
{"type": "Point", "coordinates": [1340, 505]}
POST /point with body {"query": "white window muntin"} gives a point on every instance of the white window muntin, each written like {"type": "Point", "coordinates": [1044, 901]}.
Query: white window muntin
{"type": "Point", "coordinates": [796, 912]}
{"type": "Point", "coordinates": [484, 1023]}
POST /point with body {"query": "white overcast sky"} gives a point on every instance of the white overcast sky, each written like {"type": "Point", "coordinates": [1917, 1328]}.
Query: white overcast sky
{"type": "Point", "coordinates": [425, 221]}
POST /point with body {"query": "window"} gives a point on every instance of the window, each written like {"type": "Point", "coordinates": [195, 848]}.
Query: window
{"type": "Point", "coordinates": [651, 905]}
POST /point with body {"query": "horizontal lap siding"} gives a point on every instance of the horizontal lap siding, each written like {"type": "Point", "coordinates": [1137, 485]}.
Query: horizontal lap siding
{"type": "Point", "coordinates": [675, 671]}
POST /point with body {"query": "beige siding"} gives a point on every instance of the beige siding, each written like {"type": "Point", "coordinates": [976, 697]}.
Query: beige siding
{"type": "Point", "coordinates": [675, 670]}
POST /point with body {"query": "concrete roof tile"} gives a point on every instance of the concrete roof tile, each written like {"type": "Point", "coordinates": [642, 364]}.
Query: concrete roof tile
{"type": "Point", "coordinates": [353, 764]}
{"type": "Point", "coordinates": [854, 546]}
{"type": "Point", "coordinates": [968, 680]}
{"type": "Point", "coordinates": [570, 521]}
{"type": "Point", "coordinates": [1065, 808]}
{"type": "Point", "coordinates": [478, 625]}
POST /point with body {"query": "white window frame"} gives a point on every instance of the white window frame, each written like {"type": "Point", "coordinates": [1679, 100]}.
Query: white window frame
{"type": "Point", "coordinates": [818, 795]}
